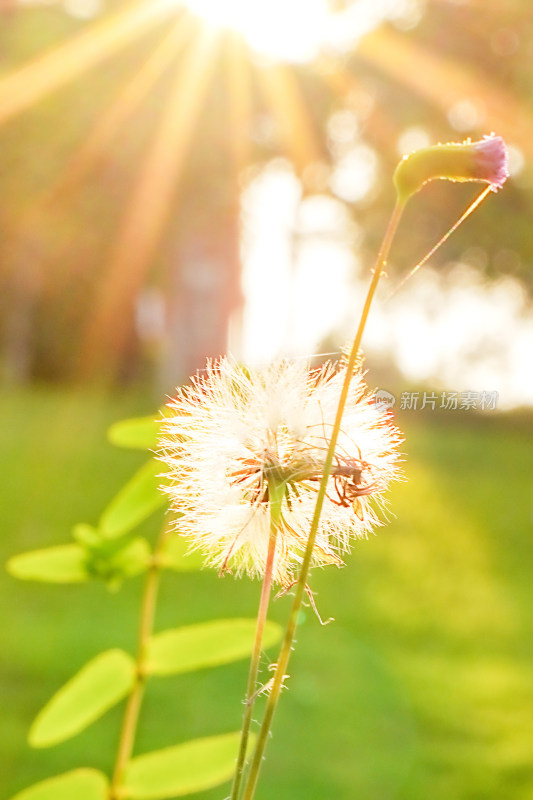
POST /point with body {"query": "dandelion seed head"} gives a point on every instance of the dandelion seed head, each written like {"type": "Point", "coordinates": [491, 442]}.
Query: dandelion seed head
{"type": "Point", "coordinates": [232, 431]}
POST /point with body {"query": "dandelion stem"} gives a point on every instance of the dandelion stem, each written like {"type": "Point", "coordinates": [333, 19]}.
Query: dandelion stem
{"type": "Point", "coordinates": [133, 705]}
{"type": "Point", "coordinates": [276, 495]}
{"type": "Point", "coordinates": [286, 646]}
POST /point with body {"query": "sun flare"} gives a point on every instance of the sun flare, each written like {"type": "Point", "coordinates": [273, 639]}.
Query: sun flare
{"type": "Point", "coordinates": [285, 30]}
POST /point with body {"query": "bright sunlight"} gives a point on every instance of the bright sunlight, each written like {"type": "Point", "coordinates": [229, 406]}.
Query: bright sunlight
{"type": "Point", "coordinates": [287, 31]}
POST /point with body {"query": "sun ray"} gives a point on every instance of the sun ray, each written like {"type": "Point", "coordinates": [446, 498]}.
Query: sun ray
{"type": "Point", "coordinates": [147, 211]}
{"type": "Point", "coordinates": [284, 97]}
{"type": "Point", "coordinates": [99, 138]}
{"type": "Point", "coordinates": [121, 110]}
{"type": "Point", "coordinates": [348, 88]}
{"type": "Point", "coordinates": [239, 99]}
{"type": "Point", "coordinates": [240, 110]}
{"type": "Point", "coordinates": [443, 82]}
{"type": "Point", "coordinates": [27, 85]}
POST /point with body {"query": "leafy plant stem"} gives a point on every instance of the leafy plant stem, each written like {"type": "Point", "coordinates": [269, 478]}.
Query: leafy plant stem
{"type": "Point", "coordinates": [283, 660]}
{"type": "Point", "coordinates": [133, 705]}
{"type": "Point", "coordinates": [276, 494]}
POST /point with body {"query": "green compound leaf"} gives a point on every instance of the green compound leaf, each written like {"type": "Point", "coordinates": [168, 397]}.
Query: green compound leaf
{"type": "Point", "coordinates": [63, 564]}
{"type": "Point", "coordinates": [186, 768]}
{"type": "Point", "coordinates": [206, 645]}
{"type": "Point", "coordinates": [139, 433]}
{"type": "Point", "coordinates": [136, 501]}
{"type": "Point", "coordinates": [134, 558]}
{"type": "Point", "coordinates": [98, 686]}
{"type": "Point", "coordinates": [114, 560]}
{"type": "Point", "coordinates": [80, 784]}
{"type": "Point", "coordinates": [174, 555]}
{"type": "Point", "coordinates": [86, 535]}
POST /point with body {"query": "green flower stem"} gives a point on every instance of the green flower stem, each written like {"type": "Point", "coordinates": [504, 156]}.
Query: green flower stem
{"type": "Point", "coordinates": [276, 492]}
{"type": "Point", "coordinates": [286, 646]}
{"type": "Point", "coordinates": [133, 705]}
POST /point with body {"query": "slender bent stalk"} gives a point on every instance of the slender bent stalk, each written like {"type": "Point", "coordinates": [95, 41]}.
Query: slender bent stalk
{"type": "Point", "coordinates": [286, 646]}
{"type": "Point", "coordinates": [471, 208]}
{"type": "Point", "coordinates": [276, 494]}
{"type": "Point", "coordinates": [133, 705]}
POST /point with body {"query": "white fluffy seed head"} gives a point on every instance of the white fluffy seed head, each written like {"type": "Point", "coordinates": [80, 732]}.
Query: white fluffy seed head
{"type": "Point", "coordinates": [232, 430]}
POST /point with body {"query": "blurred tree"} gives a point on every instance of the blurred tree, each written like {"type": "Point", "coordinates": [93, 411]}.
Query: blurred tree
{"type": "Point", "coordinates": [124, 150]}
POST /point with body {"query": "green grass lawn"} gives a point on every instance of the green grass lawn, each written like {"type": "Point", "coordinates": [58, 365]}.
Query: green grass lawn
{"type": "Point", "coordinates": [421, 688]}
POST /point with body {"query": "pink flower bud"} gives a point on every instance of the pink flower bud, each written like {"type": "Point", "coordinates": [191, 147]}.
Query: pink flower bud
{"type": "Point", "coordinates": [484, 161]}
{"type": "Point", "coordinates": [491, 161]}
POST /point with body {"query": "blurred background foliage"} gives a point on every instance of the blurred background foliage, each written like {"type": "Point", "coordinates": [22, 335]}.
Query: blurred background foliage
{"type": "Point", "coordinates": [123, 172]}
{"type": "Point", "coordinates": [123, 169]}
{"type": "Point", "coordinates": [423, 684]}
